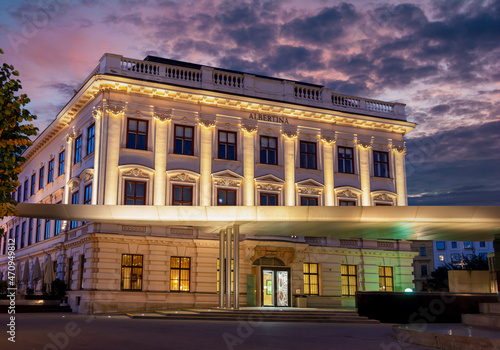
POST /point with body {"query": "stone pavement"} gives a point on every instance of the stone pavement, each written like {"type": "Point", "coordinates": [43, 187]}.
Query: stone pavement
{"type": "Point", "coordinates": [59, 331]}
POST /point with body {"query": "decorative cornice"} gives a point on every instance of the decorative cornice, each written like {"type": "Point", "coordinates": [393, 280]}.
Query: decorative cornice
{"type": "Point", "coordinates": [70, 137]}
{"type": "Point", "coordinates": [226, 183]}
{"type": "Point", "coordinates": [136, 173]}
{"type": "Point", "coordinates": [249, 129]}
{"type": "Point", "coordinates": [309, 190]}
{"type": "Point", "coordinates": [116, 111]}
{"type": "Point", "coordinates": [328, 140]}
{"type": "Point", "coordinates": [269, 187]}
{"type": "Point", "coordinates": [97, 112]}
{"type": "Point", "coordinates": [207, 124]}
{"type": "Point", "coordinates": [290, 135]}
{"type": "Point", "coordinates": [383, 197]}
{"type": "Point", "coordinates": [364, 144]}
{"type": "Point", "coordinates": [183, 177]}
{"type": "Point", "coordinates": [399, 149]}
{"type": "Point", "coordinates": [347, 194]}
{"type": "Point", "coordinates": [163, 117]}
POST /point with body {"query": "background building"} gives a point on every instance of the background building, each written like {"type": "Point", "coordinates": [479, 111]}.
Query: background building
{"type": "Point", "coordinates": [423, 263]}
{"type": "Point", "coordinates": [452, 252]}
{"type": "Point", "coordinates": [169, 133]}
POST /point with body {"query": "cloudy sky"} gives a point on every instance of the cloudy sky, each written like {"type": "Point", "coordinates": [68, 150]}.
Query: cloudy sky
{"type": "Point", "coordinates": [440, 57]}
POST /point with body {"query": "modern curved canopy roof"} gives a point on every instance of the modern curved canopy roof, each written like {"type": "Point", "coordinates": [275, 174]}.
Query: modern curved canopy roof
{"type": "Point", "coordinates": [399, 222]}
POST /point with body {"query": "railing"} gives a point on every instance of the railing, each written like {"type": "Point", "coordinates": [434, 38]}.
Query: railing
{"type": "Point", "coordinates": [140, 66]}
{"type": "Point", "coordinates": [226, 79]}
{"type": "Point", "coordinates": [380, 106]}
{"type": "Point", "coordinates": [187, 74]}
{"type": "Point", "coordinates": [349, 242]}
{"type": "Point", "coordinates": [345, 101]}
{"type": "Point", "coordinates": [308, 93]}
{"type": "Point", "coordinates": [389, 245]}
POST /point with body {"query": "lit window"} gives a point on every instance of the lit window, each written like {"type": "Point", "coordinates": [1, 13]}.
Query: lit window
{"type": "Point", "coordinates": [268, 199]}
{"type": "Point", "coordinates": [135, 193]}
{"type": "Point", "coordinates": [182, 195]}
{"type": "Point", "coordinates": [137, 134]}
{"type": "Point", "coordinates": [183, 143]}
{"type": "Point", "coordinates": [381, 164]}
{"type": "Point", "coordinates": [227, 145]}
{"type": "Point", "coordinates": [41, 177]}
{"type": "Point", "coordinates": [343, 203]}
{"type": "Point", "coordinates": [441, 257]}
{"type": "Point", "coordinates": [226, 197]}
{"type": "Point", "coordinates": [440, 245]}
{"type": "Point", "coordinates": [385, 279]}
{"type": "Point", "coordinates": [131, 272]}
{"type": "Point", "coordinates": [50, 176]}
{"type": "Point", "coordinates": [308, 155]}
{"type": "Point", "coordinates": [349, 279]}
{"type": "Point", "coordinates": [308, 201]}
{"type": "Point", "coordinates": [78, 149]}
{"type": "Point", "coordinates": [90, 139]}
{"type": "Point", "coordinates": [61, 164]}
{"type": "Point", "coordinates": [346, 160]}
{"type": "Point", "coordinates": [268, 150]}
{"type": "Point", "coordinates": [311, 279]}
{"type": "Point", "coordinates": [468, 245]}
{"type": "Point", "coordinates": [180, 271]}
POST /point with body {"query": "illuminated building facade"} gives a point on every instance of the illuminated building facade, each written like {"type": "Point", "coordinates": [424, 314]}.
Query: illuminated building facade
{"type": "Point", "coordinates": [168, 133]}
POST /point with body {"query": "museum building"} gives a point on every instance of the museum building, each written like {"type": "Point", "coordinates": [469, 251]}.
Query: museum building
{"type": "Point", "coordinates": [159, 132]}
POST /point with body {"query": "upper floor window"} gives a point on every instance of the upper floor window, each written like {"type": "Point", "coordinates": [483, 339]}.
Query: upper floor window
{"type": "Point", "coordinates": [137, 134]}
{"type": "Point", "coordinates": [226, 197]}
{"type": "Point", "coordinates": [183, 140]}
{"type": "Point", "coordinates": [346, 160]}
{"type": "Point", "coordinates": [423, 251]}
{"type": "Point", "coordinates": [74, 200]}
{"type": "Point", "coordinates": [41, 177]}
{"type": "Point", "coordinates": [454, 244]}
{"type": "Point", "coordinates": [381, 164]}
{"type": "Point", "coordinates": [268, 150]}
{"type": "Point", "coordinates": [227, 145]}
{"type": "Point", "coordinates": [23, 234]}
{"type": "Point", "coordinates": [343, 203]}
{"type": "Point", "coordinates": [468, 245]}
{"type": "Point", "coordinates": [131, 272]}
{"type": "Point", "coordinates": [30, 232]}
{"type": "Point", "coordinates": [135, 193]}
{"type": "Point", "coordinates": [50, 175]}
{"type": "Point", "coordinates": [440, 245]}
{"type": "Point", "coordinates": [308, 201]}
{"type": "Point", "coordinates": [25, 197]}
{"type": "Point", "coordinates": [268, 199]}
{"type": "Point", "coordinates": [308, 155]}
{"type": "Point", "coordinates": [87, 195]}
{"type": "Point", "coordinates": [78, 149]}
{"type": "Point", "coordinates": [455, 257]}
{"type": "Point", "coordinates": [38, 230]}
{"type": "Point", "coordinates": [182, 195]}
{"type": "Point", "coordinates": [482, 244]}
{"type": "Point", "coordinates": [91, 139]}
{"type": "Point", "coordinates": [17, 243]}
{"type": "Point", "coordinates": [33, 183]}
{"type": "Point", "coordinates": [423, 270]}
{"type": "Point", "coordinates": [19, 195]}
{"type": "Point", "coordinates": [47, 229]}
{"type": "Point", "coordinates": [61, 164]}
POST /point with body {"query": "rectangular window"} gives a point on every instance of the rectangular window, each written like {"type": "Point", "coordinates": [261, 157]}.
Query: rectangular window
{"type": "Point", "coordinates": [226, 197]}
{"type": "Point", "coordinates": [78, 149]}
{"type": "Point", "coordinates": [60, 171]}
{"type": "Point", "coordinates": [343, 203]}
{"type": "Point", "coordinates": [19, 195]}
{"type": "Point", "coordinates": [349, 279]}
{"type": "Point", "coordinates": [311, 279]}
{"type": "Point", "coordinates": [41, 177]}
{"type": "Point", "coordinates": [218, 274]}
{"type": "Point", "coordinates": [70, 273]}
{"type": "Point", "coordinates": [381, 164]}
{"type": "Point", "coordinates": [346, 160]}
{"type": "Point", "coordinates": [57, 225]}
{"type": "Point", "coordinates": [183, 143]}
{"type": "Point", "coordinates": [87, 196]}
{"type": "Point", "coordinates": [90, 139]}
{"type": "Point", "coordinates": [385, 279]}
{"type": "Point", "coordinates": [423, 251]}
{"type": "Point", "coordinates": [182, 195]}
{"type": "Point", "coordinates": [23, 234]}
{"type": "Point", "coordinates": [483, 256]}
{"type": "Point", "coordinates": [482, 244]}
{"type": "Point", "coordinates": [38, 231]}
{"type": "Point", "coordinates": [455, 257]}
{"type": "Point", "coordinates": [227, 145]}
{"type": "Point", "coordinates": [47, 229]}
{"type": "Point", "coordinates": [308, 155]}
{"type": "Point", "coordinates": [468, 245]}
{"type": "Point", "coordinates": [50, 176]}
{"type": "Point", "coordinates": [16, 241]}
{"type": "Point", "coordinates": [25, 197]}
{"type": "Point", "coordinates": [268, 150]}
{"type": "Point", "coordinates": [268, 199]}
{"type": "Point", "coordinates": [423, 270]}
{"type": "Point", "coordinates": [30, 232]}
{"type": "Point", "coordinates": [441, 257]}
{"type": "Point", "coordinates": [440, 245]}
{"type": "Point", "coordinates": [82, 271]}
{"type": "Point", "coordinates": [74, 200]}
{"type": "Point", "coordinates": [180, 271]}
{"type": "Point", "coordinates": [308, 201]}
{"type": "Point", "coordinates": [33, 184]}
{"type": "Point", "coordinates": [135, 193]}
{"type": "Point", "coordinates": [137, 134]}
{"type": "Point", "coordinates": [131, 272]}
{"type": "Point", "coordinates": [454, 244]}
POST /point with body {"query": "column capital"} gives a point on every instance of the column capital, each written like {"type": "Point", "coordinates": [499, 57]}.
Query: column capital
{"type": "Point", "coordinates": [399, 149]}
{"type": "Point", "coordinates": [97, 112]}
{"type": "Point", "coordinates": [249, 129]}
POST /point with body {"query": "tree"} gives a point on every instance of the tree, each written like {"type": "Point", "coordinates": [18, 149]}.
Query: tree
{"type": "Point", "coordinates": [15, 135]}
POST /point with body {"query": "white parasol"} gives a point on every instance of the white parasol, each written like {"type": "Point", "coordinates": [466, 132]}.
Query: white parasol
{"type": "Point", "coordinates": [48, 273]}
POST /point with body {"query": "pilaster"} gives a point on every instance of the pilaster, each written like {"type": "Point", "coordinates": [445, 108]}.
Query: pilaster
{"type": "Point", "coordinates": [160, 179]}
{"type": "Point", "coordinates": [400, 173]}
{"type": "Point", "coordinates": [114, 117]}
{"type": "Point", "coordinates": [249, 165]}
{"type": "Point", "coordinates": [289, 157]}
{"type": "Point", "coordinates": [364, 148]}
{"type": "Point", "coordinates": [328, 145]}
{"type": "Point", "coordinates": [206, 162]}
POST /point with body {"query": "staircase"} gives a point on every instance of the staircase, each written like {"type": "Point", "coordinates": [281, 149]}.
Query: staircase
{"type": "Point", "coordinates": [489, 316]}
{"type": "Point", "coordinates": [258, 315]}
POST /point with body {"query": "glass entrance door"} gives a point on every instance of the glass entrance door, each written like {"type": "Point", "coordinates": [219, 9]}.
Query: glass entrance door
{"type": "Point", "coordinates": [275, 287]}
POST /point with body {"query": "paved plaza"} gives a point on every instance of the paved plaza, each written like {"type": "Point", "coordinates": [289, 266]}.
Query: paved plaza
{"type": "Point", "coordinates": [75, 332]}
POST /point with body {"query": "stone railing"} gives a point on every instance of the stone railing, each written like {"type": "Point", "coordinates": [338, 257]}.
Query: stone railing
{"type": "Point", "coordinates": [210, 78]}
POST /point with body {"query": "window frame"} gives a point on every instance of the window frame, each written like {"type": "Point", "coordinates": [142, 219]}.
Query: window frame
{"type": "Point", "coordinates": [75, 197]}
{"type": "Point", "coordinates": [30, 232]}
{"type": "Point", "coordinates": [309, 284]}
{"type": "Point", "coordinates": [23, 234]}
{"type": "Point", "coordinates": [184, 139]}
{"type": "Point", "coordinates": [309, 199]}
{"type": "Point", "coordinates": [307, 153]}
{"type": "Point", "coordinates": [343, 160]}
{"type": "Point", "coordinates": [376, 171]}
{"type": "Point", "coordinates": [384, 277]}
{"type": "Point", "coordinates": [41, 177]}
{"type": "Point", "coordinates": [38, 230]}
{"type": "Point", "coordinates": [267, 149]}
{"type": "Point", "coordinates": [33, 184]}
{"type": "Point", "coordinates": [62, 161]}
{"type": "Point", "coordinates": [342, 201]}
{"type": "Point", "coordinates": [50, 173]}
{"type": "Point", "coordinates": [78, 150]}
{"type": "Point", "coordinates": [348, 286]}
{"type": "Point", "coordinates": [424, 250]}
{"type": "Point", "coordinates": [267, 195]}
{"type": "Point", "coordinates": [180, 269]}
{"type": "Point", "coordinates": [227, 143]}
{"type": "Point", "coordinates": [227, 190]}
{"type": "Point", "coordinates": [91, 139]}
{"type": "Point", "coordinates": [440, 245]}
{"type": "Point", "coordinates": [131, 267]}
{"type": "Point", "coordinates": [137, 133]}
{"type": "Point", "coordinates": [47, 229]}
{"type": "Point", "coordinates": [25, 190]}
{"type": "Point", "coordinates": [182, 202]}
{"type": "Point", "coordinates": [134, 198]}
{"type": "Point", "coordinates": [87, 190]}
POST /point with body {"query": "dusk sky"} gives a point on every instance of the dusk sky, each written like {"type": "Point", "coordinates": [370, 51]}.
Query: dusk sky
{"type": "Point", "coordinates": [441, 58]}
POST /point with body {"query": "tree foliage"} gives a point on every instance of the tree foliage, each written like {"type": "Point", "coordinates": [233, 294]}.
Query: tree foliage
{"type": "Point", "coordinates": [15, 132]}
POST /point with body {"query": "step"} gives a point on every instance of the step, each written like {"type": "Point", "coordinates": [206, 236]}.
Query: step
{"type": "Point", "coordinates": [489, 308]}
{"type": "Point", "coordinates": [481, 320]}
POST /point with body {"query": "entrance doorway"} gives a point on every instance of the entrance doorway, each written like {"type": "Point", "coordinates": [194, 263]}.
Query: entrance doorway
{"type": "Point", "coordinates": [275, 286]}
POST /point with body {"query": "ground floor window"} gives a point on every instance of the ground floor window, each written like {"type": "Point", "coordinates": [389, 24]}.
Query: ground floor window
{"type": "Point", "coordinates": [180, 274]}
{"type": "Point", "coordinates": [349, 280]}
{"type": "Point", "coordinates": [70, 272]}
{"type": "Point", "coordinates": [311, 279]}
{"type": "Point", "coordinates": [385, 278]}
{"type": "Point", "coordinates": [131, 272]}
{"type": "Point", "coordinates": [218, 274]}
